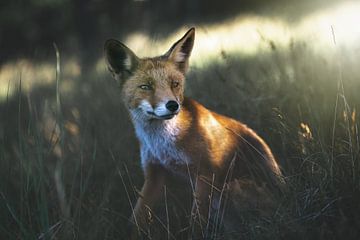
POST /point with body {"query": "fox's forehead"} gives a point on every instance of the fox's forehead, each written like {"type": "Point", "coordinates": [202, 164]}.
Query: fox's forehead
{"type": "Point", "coordinates": [159, 70]}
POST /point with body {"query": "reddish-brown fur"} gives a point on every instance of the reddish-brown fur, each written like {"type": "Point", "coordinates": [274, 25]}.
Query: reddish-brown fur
{"type": "Point", "coordinates": [211, 144]}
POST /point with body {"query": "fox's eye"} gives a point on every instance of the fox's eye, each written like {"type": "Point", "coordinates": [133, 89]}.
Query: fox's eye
{"type": "Point", "coordinates": [145, 87]}
{"type": "Point", "coordinates": [174, 84]}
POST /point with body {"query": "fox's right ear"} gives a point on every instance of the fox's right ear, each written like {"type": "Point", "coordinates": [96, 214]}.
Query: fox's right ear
{"type": "Point", "coordinates": [121, 61]}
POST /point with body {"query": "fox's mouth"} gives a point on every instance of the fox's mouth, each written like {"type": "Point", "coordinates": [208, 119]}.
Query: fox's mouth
{"type": "Point", "coordinates": [165, 117]}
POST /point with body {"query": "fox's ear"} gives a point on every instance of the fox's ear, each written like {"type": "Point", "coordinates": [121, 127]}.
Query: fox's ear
{"type": "Point", "coordinates": [180, 52]}
{"type": "Point", "coordinates": [121, 61]}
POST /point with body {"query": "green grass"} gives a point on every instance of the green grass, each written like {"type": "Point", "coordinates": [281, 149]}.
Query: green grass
{"type": "Point", "coordinates": [69, 161]}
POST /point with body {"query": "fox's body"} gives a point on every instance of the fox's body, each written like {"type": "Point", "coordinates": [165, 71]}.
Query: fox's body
{"type": "Point", "coordinates": [201, 139]}
{"type": "Point", "coordinates": [179, 136]}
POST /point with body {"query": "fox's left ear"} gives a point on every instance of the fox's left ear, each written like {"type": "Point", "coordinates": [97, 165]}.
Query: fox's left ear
{"type": "Point", "coordinates": [180, 52]}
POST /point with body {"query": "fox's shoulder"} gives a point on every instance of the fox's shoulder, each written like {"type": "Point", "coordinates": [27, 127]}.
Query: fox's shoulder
{"type": "Point", "coordinates": [199, 111]}
{"type": "Point", "coordinates": [245, 136]}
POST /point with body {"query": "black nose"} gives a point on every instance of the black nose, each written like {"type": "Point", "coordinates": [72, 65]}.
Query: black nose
{"type": "Point", "coordinates": [172, 106]}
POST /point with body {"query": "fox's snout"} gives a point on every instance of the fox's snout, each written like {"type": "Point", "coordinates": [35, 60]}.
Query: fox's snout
{"type": "Point", "coordinates": [162, 110]}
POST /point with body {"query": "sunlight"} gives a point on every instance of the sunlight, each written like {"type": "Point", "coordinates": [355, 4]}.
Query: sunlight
{"type": "Point", "coordinates": [24, 70]}
{"type": "Point", "coordinates": [250, 35]}
{"type": "Point", "coordinates": [245, 35]}
{"type": "Point", "coordinates": [344, 19]}
{"type": "Point", "coordinates": [34, 75]}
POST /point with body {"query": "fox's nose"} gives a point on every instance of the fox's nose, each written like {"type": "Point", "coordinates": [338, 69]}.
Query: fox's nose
{"type": "Point", "coordinates": [172, 106]}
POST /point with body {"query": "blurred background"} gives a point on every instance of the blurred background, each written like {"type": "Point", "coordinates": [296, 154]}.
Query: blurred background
{"type": "Point", "coordinates": [69, 161]}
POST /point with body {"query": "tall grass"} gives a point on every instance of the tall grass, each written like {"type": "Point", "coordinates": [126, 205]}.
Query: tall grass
{"type": "Point", "coordinates": [69, 161]}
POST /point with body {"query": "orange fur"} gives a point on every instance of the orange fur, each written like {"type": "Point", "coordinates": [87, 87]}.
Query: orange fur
{"type": "Point", "coordinates": [192, 140]}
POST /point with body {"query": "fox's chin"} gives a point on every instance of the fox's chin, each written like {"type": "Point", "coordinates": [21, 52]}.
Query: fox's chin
{"type": "Point", "coordinates": [162, 117]}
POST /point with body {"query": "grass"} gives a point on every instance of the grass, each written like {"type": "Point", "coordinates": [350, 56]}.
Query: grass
{"type": "Point", "coordinates": [69, 161]}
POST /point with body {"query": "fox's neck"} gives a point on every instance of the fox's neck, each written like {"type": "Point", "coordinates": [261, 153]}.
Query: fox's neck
{"type": "Point", "coordinates": [169, 130]}
{"type": "Point", "coordinates": [161, 140]}
{"type": "Point", "coordinates": [148, 129]}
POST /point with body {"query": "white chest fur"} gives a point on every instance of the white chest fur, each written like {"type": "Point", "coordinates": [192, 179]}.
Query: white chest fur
{"type": "Point", "coordinates": [158, 143]}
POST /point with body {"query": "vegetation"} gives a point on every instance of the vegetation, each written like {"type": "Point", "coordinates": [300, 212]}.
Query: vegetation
{"type": "Point", "coordinates": [70, 163]}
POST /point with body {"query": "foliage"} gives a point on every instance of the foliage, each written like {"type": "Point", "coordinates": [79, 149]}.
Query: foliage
{"type": "Point", "coordinates": [70, 165]}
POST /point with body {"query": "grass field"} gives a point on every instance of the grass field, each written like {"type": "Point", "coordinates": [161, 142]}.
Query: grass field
{"type": "Point", "coordinates": [69, 161]}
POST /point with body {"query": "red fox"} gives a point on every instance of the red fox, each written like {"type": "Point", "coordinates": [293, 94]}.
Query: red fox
{"type": "Point", "coordinates": [178, 135]}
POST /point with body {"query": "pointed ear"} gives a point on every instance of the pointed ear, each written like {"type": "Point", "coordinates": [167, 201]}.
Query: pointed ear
{"type": "Point", "coordinates": [121, 61]}
{"type": "Point", "coordinates": [180, 52]}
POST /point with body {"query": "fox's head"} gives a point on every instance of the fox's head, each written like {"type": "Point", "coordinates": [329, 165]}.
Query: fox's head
{"type": "Point", "coordinates": [152, 88]}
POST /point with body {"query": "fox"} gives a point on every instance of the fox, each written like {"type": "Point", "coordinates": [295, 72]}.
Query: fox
{"type": "Point", "coordinates": [180, 137]}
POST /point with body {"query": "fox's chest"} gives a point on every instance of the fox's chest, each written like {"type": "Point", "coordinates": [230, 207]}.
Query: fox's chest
{"type": "Point", "coordinates": [160, 146]}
